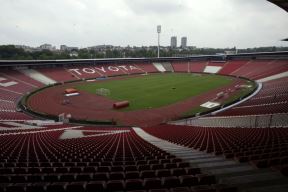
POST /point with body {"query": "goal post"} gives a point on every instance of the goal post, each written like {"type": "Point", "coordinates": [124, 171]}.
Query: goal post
{"type": "Point", "coordinates": [102, 92]}
{"type": "Point", "coordinates": [64, 118]}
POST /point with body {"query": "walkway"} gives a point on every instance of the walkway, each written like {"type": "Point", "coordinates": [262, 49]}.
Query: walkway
{"type": "Point", "coordinates": [246, 177]}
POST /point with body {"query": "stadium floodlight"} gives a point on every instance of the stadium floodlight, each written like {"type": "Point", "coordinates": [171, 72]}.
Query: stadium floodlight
{"type": "Point", "coordinates": [158, 31]}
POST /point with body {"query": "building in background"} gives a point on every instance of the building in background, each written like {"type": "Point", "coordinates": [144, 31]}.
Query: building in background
{"type": "Point", "coordinates": [184, 42]}
{"type": "Point", "coordinates": [66, 48]}
{"type": "Point", "coordinates": [173, 42]}
{"type": "Point", "coordinates": [47, 47]}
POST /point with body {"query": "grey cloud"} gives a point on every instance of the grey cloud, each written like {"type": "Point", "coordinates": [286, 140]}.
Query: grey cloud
{"type": "Point", "coordinates": [156, 6]}
{"type": "Point", "coordinates": [206, 23]}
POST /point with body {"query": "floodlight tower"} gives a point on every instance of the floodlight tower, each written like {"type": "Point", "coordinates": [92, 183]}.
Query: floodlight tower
{"type": "Point", "coordinates": [158, 31]}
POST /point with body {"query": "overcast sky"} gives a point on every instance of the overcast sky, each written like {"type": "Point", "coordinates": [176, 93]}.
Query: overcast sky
{"type": "Point", "coordinates": [82, 23]}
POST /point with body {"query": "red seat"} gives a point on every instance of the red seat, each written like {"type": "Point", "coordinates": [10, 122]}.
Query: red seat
{"type": "Point", "coordinates": [19, 170]}
{"type": "Point", "coordinates": [152, 183]}
{"type": "Point", "coordinates": [106, 163]}
{"type": "Point", "coordinates": [75, 170]}
{"type": "Point", "coordinates": [147, 174]}
{"type": "Point", "coordinates": [116, 176]}
{"type": "Point", "coordinates": [33, 170]}
{"type": "Point", "coordinates": [164, 161]}
{"type": "Point", "coordinates": [168, 182]}
{"type": "Point", "coordinates": [170, 165]}
{"type": "Point", "coordinates": [180, 189]}
{"type": "Point", "coordinates": [143, 167]}
{"type": "Point", "coordinates": [141, 162]}
{"type": "Point", "coordinates": [47, 170]}
{"type": "Point", "coordinates": [100, 176]}
{"type": "Point", "coordinates": [4, 179]}
{"type": "Point", "coordinates": [59, 187]}
{"type": "Point", "coordinates": [115, 185]}
{"type": "Point", "coordinates": [188, 180]}
{"type": "Point", "coordinates": [117, 169]}
{"type": "Point", "coordinates": [39, 187]}
{"type": "Point", "coordinates": [134, 184]}
{"type": "Point", "coordinates": [132, 175]}
{"type": "Point", "coordinates": [34, 178]}
{"type": "Point", "coordinates": [67, 178]}
{"type": "Point", "coordinates": [83, 177]}
{"type": "Point", "coordinates": [103, 169]}
{"type": "Point", "coordinates": [163, 173]}
{"type": "Point", "coordinates": [158, 190]}
{"type": "Point", "coordinates": [93, 186]}
{"type": "Point", "coordinates": [178, 172]}
{"type": "Point", "coordinates": [131, 168]}
{"type": "Point", "coordinates": [50, 178]}
{"type": "Point", "coordinates": [193, 171]}
{"type": "Point", "coordinates": [6, 171]}
{"type": "Point", "coordinates": [75, 187]}
{"type": "Point", "coordinates": [16, 188]}
{"type": "Point", "coordinates": [89, 170]}
{"type": "Point", "coordinates": [151, 162]}
{"type": "Point", "coordinates": [156, 166]}
{"type": "Point", "coordinates": [18, 179]}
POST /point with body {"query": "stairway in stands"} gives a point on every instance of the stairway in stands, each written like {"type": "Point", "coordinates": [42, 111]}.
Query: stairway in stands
{"type": "Point", "coordinates": [159, 67]}
{"type": "Point", "coordinates": [37, 76]}
{"type": "Point", "coordinates": [243, 175]}
{"type": "Point", "coordinates": [168, 67]}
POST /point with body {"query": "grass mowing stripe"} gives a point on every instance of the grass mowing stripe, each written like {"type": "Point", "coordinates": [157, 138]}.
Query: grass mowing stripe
{"type": "Point", "coordinates": [157, 90]}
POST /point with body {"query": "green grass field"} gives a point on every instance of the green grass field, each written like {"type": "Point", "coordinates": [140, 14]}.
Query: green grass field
{"type": "Point", "coordinates": [157, 90]}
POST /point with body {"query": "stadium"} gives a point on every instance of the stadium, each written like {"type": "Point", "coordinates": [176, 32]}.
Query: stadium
{"type": "Point", "coordinates": [213, 123]}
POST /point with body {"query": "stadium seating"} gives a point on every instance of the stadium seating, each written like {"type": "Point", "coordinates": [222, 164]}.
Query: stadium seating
{"type": "Point", "coordinates": [256, 69]}
{"type": "Point", "coordinates": [272, 98]}
{"type": "Point", "coordinates": [40, 160]}
{"type": "Point", "coordinates": [275, 67]}
{"type": "Point", "coordinates": [180, 66]}
{"type": "Point", "coordinates": [245, 121]}
{"type": "Point", "coordinates": [74, 72]}
{"type": "Point", "coordinates": [18, 76]}
{"type": "Point", "coordinates": [13, 115]}
{"type": "Point", "coordinates": [11, 83]}
{"type": "Point", "coordinates": [58, 74]}
{"type": "Point", "coordinates": [146, 67]}
{"type": "Point", "coordinates": [117, 159]}
{"type": "Point", "coordinates": [197, 66]}
{"type": "Point", "coordinates": [13, 86]}
{"type": "Point", "coordinates": [232, 66]}
{"type": "Point", "coordinates": [263, 147]}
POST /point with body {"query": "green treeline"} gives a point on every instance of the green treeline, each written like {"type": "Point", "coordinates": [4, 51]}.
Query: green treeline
{"type": "Point", "coordinates": [10, 52]}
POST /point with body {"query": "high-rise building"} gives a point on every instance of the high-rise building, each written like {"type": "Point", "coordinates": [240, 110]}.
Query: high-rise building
{"type": "Point", "coordinates": [183, 42]}
{"type": "Point", "coordinates": [173, 42]}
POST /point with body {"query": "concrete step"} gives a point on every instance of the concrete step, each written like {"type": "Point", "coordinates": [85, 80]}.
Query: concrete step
{"type": "Point", "coordinates": [276, 188]}
{"type": "Point", "coordinates": [230, 170]}
{"type": "Point", "coordinates": [252, 178]}
{"type": "Point", "coordinates": [243, 175]}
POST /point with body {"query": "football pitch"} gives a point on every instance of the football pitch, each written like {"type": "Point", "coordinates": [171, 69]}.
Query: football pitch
{"type": "Point", "coordinates": [157, 90]}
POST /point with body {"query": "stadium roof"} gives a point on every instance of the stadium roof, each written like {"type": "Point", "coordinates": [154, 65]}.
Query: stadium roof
{"type": "Point", "coordinates": [285, 39]}
{"type": "Point", "coordinates": [281, 3]}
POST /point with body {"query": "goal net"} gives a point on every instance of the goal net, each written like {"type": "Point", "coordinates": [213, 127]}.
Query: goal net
{"type": "Point", "coordinates": [103, 92]}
